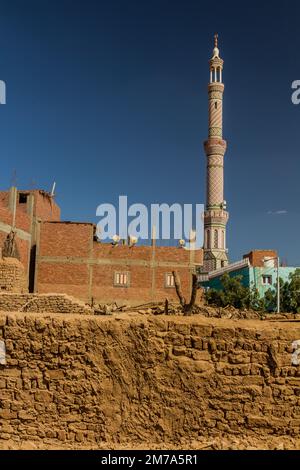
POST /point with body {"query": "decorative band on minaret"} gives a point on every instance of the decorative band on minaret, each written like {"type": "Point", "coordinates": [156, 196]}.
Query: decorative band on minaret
{"type": "Point", "coordinates": [215, 216]}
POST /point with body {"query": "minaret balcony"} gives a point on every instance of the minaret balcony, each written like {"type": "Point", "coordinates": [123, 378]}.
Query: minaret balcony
{"type": "Point", "coordinates": [215, 146]}
{"type": "Point", "coordinates": [216, 62]}
{"type": "Point", "coordinates": [216, 87]}
{"type": "Point", "coordinates": [215, 216]}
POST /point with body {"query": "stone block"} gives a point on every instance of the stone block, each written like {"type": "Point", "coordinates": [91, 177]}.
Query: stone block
{"type": "Point", "coordinates": [43, 396]}
{"type": "Point", "coordinates": [196, 342]}
{"type": "Point", "coordinates": [239, 358]}
{"type": "Point", "coordinates": [203, 331]}
{"type": "Point", "coordinates": [179, 350]}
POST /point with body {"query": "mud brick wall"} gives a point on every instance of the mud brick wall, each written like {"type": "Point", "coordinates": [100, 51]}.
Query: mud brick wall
{"type": "Point", "coordinates": [70, 261]}
{"type": "Point", "coordinates": [91, 381]}
{"type": "Point", "coordinates": [12, 276]}
{"type": "Point", "coordinates": [55, 303]}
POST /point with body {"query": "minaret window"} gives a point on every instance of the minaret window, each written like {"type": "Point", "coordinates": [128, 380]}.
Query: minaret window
{"type": "Point", "coordinates": [216, 239]}
{"type": "Point", "coordinates": [216, 105]}
{"type": "Point", "coordinates": [208, 239]}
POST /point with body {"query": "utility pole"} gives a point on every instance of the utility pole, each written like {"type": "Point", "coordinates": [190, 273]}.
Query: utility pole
{"type": "Point", "coordinates": [278, 283]}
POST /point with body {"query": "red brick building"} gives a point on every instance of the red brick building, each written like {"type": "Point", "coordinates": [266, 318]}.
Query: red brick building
{"type": "Point", "coordinates": [65, 257]}
{"type": "Point", "coordinates": [70, 260]}
{"type": "Point", "coordinates": [22, 211]}
{"type": "Point", "coordinates": [258, 258]}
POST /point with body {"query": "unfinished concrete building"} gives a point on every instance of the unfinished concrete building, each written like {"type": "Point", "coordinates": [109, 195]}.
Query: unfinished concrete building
{"type": "Point", "coordinates": [66, 257]}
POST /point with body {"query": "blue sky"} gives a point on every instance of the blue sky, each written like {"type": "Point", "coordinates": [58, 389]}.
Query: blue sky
{"type": "Point", "coordinates": [110, 98]}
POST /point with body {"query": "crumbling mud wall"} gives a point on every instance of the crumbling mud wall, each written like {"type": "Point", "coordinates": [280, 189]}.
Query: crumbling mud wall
{"type": "Point", "coordinates": [99, 381]}
{"type": "Point", "coordinates": [12, 276]}
{"type": "Point", "coordinates": [39, 303]}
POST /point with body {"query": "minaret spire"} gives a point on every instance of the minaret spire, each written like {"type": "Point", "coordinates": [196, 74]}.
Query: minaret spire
{"type": "Point", "coordinates": [216, 217]}
{"type": "Point", "coordinates": [216, 36]}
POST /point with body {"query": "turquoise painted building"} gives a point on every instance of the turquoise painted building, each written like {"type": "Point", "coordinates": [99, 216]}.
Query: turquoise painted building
{"type": "Point", "coordinates": [262, 278]}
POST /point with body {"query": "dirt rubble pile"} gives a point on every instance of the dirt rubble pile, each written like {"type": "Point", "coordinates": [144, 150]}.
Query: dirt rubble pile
{"type": "Point", "coordinates": [159, 308]}
{"type": "Point", "coordinates": [63, 303]}
{"type": "Point", "coordinates": [229, 312]}
{"type": "Point", "coordinates": [130, 380]}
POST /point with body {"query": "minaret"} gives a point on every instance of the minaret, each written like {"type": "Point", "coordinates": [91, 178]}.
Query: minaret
{"type": "Point", "coordinates": [215, 216]}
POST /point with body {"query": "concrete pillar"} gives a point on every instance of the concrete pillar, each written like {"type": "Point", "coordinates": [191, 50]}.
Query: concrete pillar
{"type": "Point", "coordinates": [30, 205]}
{"type": "Point", "coordinates": [12, 203]}
{"type": "Point", "coordinates": [36, 260]}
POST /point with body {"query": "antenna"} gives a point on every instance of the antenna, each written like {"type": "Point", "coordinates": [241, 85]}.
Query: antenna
{"type": "Point", "coordinates": [32, 184]}
{"type": "Point", "coordinates": [14, 179]}
{"type": "Point", "coordinates": [53, 189]}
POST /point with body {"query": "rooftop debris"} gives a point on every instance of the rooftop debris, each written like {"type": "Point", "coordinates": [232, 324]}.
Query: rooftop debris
{"type": "Point", "coordinates": [10, 249]}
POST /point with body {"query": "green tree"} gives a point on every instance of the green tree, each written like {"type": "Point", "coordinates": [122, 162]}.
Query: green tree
{"type": "Point", "coordinates": [269, 301]}
{"type": "Point", "coordinates": [289, 295]}
{"type": "Point", "coordinates": [256, 302]}
{"type": "Point", "coordinates": [233, 293]}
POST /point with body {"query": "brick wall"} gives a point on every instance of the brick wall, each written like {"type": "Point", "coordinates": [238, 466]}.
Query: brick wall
{"type": "Point", "coordinates": [62, 277]}
{"type": "Point", "coordinates": [70, 261]}
{"type": "Point", "coordinates": [5, 215]}
{"type": "Point", "coordinates": [45, 207]}
{"type": "Point", "coordinates": [65, 239]}
{"type": "Point", "coordinates": [22, 219]}
{"type": "Point", "coordinates": [98, 382]}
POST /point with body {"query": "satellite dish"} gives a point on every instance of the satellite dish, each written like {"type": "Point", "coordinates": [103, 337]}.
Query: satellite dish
{"type": "Point", "coordinates": [132, 240]}
{"type": "Point", "coordinates": [116, 239]}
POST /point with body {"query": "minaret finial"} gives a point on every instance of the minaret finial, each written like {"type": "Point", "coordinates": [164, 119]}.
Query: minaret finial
{"type": "Point", "coordinates": [216, 36]}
